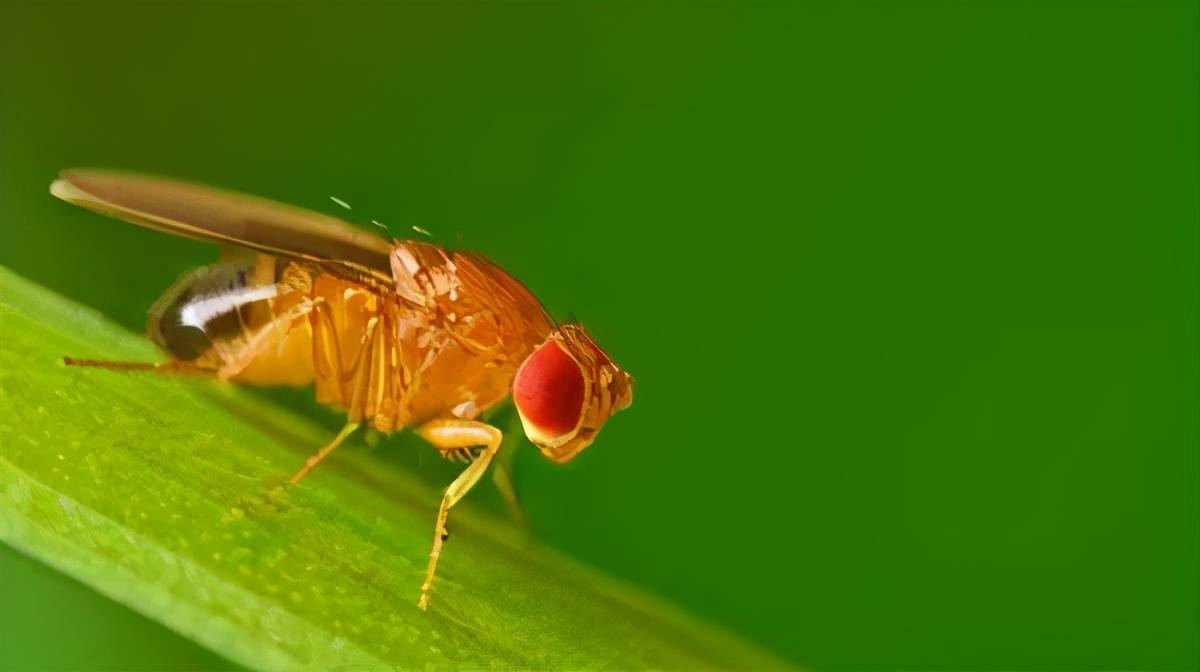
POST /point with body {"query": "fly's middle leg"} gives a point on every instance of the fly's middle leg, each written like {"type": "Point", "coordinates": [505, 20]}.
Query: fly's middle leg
{"type": "Point", "coordinates": [323, 452]}
{"type": "Point", "coordinates": [361, 375]}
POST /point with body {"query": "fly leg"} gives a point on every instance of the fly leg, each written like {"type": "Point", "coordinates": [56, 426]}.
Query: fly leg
{"type": "Point", "coordinates": [271, 335]}
{"type": "Point", "coordinates": [449, 435]}
{"type": "Point", "coordinates": [502, 476]}
{"type": "Point", "coordinates": [172, 367]}
{"type": "Point", "coordinates": [361, 381]}
{"type": "Point", "coordinates": [323, 452]}
{"type": "Point", "coordinates": [268, 336]}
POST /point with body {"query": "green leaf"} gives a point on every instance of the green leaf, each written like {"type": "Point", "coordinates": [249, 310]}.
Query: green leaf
{"type": "Point", "coordinates": [167, 495]}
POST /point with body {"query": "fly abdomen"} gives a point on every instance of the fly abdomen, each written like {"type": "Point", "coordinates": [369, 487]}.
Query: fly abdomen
{"type": "Point", "coordinates": [210, 305]}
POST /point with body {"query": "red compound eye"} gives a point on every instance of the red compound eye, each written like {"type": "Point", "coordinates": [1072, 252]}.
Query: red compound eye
{"type": "Point", "coordinates": [548, 390]}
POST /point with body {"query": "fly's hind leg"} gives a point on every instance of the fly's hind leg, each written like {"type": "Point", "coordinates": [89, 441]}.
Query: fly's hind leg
{"type": "Point", "coordinates": [266, 337]}
{"type": "Point", "coordinates": [171, 367]}
{"type": "Point", "coordinates": [447, 436]}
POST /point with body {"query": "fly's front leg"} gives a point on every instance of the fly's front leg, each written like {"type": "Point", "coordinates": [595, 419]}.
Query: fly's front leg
{"type": "Point", "coordinates": [448, 436]}
{"type": "Point", "coordinates": [502, 476]}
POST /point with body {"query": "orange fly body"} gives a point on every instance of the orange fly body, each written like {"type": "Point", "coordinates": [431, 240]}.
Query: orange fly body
{"type": "Point", "coordinates": [397, 333]}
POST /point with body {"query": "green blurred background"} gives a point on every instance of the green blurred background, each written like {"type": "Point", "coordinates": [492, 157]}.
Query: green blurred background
{"type": "Point", "coordinates": [910, 291]}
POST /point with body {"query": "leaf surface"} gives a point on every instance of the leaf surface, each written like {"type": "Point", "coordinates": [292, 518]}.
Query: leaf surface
{"type": "Point", "coordinates": [167, 495]}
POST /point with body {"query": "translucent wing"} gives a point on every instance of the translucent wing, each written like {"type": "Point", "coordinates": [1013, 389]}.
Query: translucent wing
{"type": "Point", "coordinates": [222, 217]}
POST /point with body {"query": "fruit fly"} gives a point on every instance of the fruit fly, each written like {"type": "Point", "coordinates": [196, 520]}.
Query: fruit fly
{"type": "Point", "coordinates": [399, 333]}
